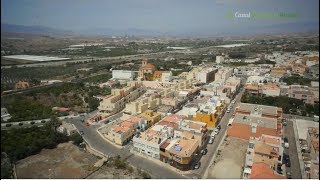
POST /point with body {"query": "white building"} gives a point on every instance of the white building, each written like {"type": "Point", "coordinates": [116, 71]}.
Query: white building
{"type": "Point", "coordinates": [219, 59]}
{"type": "Point", "coordinates": [166, 76]}
{"type": "Point", "coordinates": [67, 128]}
{"type": "Point", "coordinates": [5, 116]}
{"type": "Point", "coordinates": [123, 74]}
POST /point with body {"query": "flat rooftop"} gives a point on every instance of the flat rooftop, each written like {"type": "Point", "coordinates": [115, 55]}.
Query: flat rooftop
{"type": "Point", "coordinates": [260, 121]}
{"type": "Point", "coordinates": [35, 58]}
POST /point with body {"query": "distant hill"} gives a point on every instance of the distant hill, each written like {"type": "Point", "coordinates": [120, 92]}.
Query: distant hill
{"type": "Point", "coordinates": [42, 30]}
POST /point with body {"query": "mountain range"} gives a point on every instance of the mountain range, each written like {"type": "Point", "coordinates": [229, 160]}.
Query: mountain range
{"type": "Point", "coordinates": [282, 28]}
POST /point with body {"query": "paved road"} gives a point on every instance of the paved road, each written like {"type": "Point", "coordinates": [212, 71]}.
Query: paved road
{"type": "Point", "coordinates": [292, 151]}
{"type": "Point", "coordinates": [98, 143]}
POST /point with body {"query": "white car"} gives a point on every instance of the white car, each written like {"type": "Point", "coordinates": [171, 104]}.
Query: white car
{"type": "Point", "coordinates": [216, 131]}
{"type": "Point", "coordinates": [228, 110]}
{"type": "Point", "coordinates": [211, 140]}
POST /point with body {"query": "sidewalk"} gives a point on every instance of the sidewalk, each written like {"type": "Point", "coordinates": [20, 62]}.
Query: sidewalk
{"type": "Point", "coordinates": [298, 150]}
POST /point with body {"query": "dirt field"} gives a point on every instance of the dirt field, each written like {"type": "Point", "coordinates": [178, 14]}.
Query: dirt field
{"type": "Point", "coordinates": [65, 161]}
{"type": "Point", "coordinates": [107, 172]}
{"type": "Point", "coordinates": [229, 160]}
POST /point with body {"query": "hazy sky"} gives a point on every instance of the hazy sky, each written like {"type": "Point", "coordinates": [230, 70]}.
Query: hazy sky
{"type": "Point", "coordinates": [159, 15]}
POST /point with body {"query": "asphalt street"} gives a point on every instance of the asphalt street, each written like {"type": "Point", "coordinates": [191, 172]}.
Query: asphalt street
{"type": "Point", "coordinates": [292, 151]}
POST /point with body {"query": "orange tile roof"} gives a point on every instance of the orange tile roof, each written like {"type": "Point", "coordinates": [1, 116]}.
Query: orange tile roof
{"type": "Point", "coordinates": [263, 171]}
{"type": "Point", "coordinates": [149, 66]}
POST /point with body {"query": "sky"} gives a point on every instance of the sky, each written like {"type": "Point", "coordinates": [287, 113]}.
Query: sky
{"type": "Point", "coordinates": [202, 16]}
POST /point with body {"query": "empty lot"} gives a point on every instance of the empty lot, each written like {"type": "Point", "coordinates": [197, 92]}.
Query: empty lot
{"type": "Point", "coordinates": [230, 159]}
{"type": "Point", "coordinates": [66, 161]}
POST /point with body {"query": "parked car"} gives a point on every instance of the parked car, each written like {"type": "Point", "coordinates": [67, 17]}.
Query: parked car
{"type": "Point", "coordinates": [286, 142]}
{"type": "Point", "coordinates": [288, 175]}
{"type": "Point", "coordinates": [219, 127]}
{"type": "Point", "coordinates": [284, 122]}
{"type": "Point", "coordinates": [81, 133]}
{"type": "Point", "coordinates": [20, 124]}
{"type": "Point", "coordinates": [197, 166]}
{"type": "Point", "coordinates": [286, 160]}
{"type": "Point", "coordinates": [228, 110]}
{"type": "Point", "coordinates": [8, 125]}
{"type": "Point", "coordinates": [216, 131]}
{"type": "Point", "coordinates": [32, 122]}
{"type": "Point", "coordinates": [211, 140]}
{"type": "Point", "coordinates": [204, 151]}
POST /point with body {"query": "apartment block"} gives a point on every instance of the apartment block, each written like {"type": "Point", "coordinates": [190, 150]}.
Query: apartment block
{"type": "Point", "coordinates": [149, 142]}
{"type": "Point", "coordinates": [123, 75]}
{"type": "Point", "coordinates": [120, 97]}
{"type": "Point", "coordinates": [301, 92]}
{"type": "Point", "coordinates": [262, 158]}
{"type": "Point", "coordinates": [122, 132]}
{"type": "Point", "coordinates": [252, 120]}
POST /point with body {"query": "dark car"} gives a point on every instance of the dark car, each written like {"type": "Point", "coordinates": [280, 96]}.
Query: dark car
{"type": "Point", "coordinates": [289, 175]}
{"type": "Point", "coordinates": [204, 151]}
{"type": "Point", "coordinates": [285, 140]}
{"type": "Point", "coordinates": [286, 160]}
{"type": "Point", "coordinates": [219, 127]}
{"type": "Point", "coordinates": [197, 166]}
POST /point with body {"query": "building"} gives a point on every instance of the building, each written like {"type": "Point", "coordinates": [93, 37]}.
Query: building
{"type": "Point", "coordinates": [149, 141]}
{"type": "Point", "coordinates": [219, 59]}
{"type": "Point", "coordinates": [209, 111]}
{"type": "Point", "coordinates": [21, 85]}
{"type": "Point", "coordinates": [271, 89]}
{"type": "Point", "coordinates": [312, 162]}
{"type": "Point", "coordinates": [179, 152]}
{"type": "Point", "coordinates": [302, 93]}
{"type": "Point", "coordinates": [120, 97]}
{"type": "Point", "coordinates": [207, 75]}
{"type": "Point", "coordinates": [67, 129]}
{"type": "Point", "coordinates": [278, 72]}
{"type": "Point", "coordinates": [166, 76]}
{"type": "Point", "coordinates": [299, 68]}
{"type": "Point", "coordinates": [123, 75]}
{"type": "Point", "coordinates": [122, 132]}
{"type": "Point", "coordinates": [146, 71]}
{"type": "Point", "coordinates": [151, 117]}
{"type": "Point", "coordinates": [267, 150]}
{"type": "Point", "coordinates": [147, 101]}
{"type": "Point", "coordinates": [253, 120]}
{"type": "Point", "coordinates": [223, 74]}
{"type": "Point", "coordinates": [5, 116]}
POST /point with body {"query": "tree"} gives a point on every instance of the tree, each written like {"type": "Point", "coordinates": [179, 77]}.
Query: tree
{"type": "Point", "coordinates": [54, 122]}
{"type": "Point", "coordinates": [76, 138]}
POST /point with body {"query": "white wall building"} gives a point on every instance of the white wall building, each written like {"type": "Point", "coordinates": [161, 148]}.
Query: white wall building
{"type": "Point", "coordinates": [123, 74]}
{"type": "Point", "coordinates": [166, 76]}
{"type": "Point", "coordinates": [219, 59]}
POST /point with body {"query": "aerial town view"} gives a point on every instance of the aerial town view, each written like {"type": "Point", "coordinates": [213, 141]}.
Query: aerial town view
{"type": "Point", "coordinates": [160, 89]}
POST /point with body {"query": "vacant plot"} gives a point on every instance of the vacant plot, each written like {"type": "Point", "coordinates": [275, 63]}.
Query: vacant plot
{"type": "Point", "coordinates": [229, 159]}
{"type": "Point", "coordinates": [66, 161]}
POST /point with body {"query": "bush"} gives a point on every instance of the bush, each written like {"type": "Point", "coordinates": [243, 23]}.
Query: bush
{"type": "Point", "coordinates": [76, 138]}
{"type": "Point", "coordinates": [119, 163]}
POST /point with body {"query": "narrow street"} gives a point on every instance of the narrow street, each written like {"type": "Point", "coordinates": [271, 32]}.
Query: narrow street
{"type": "Point", "coordinates": [292, 151]}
